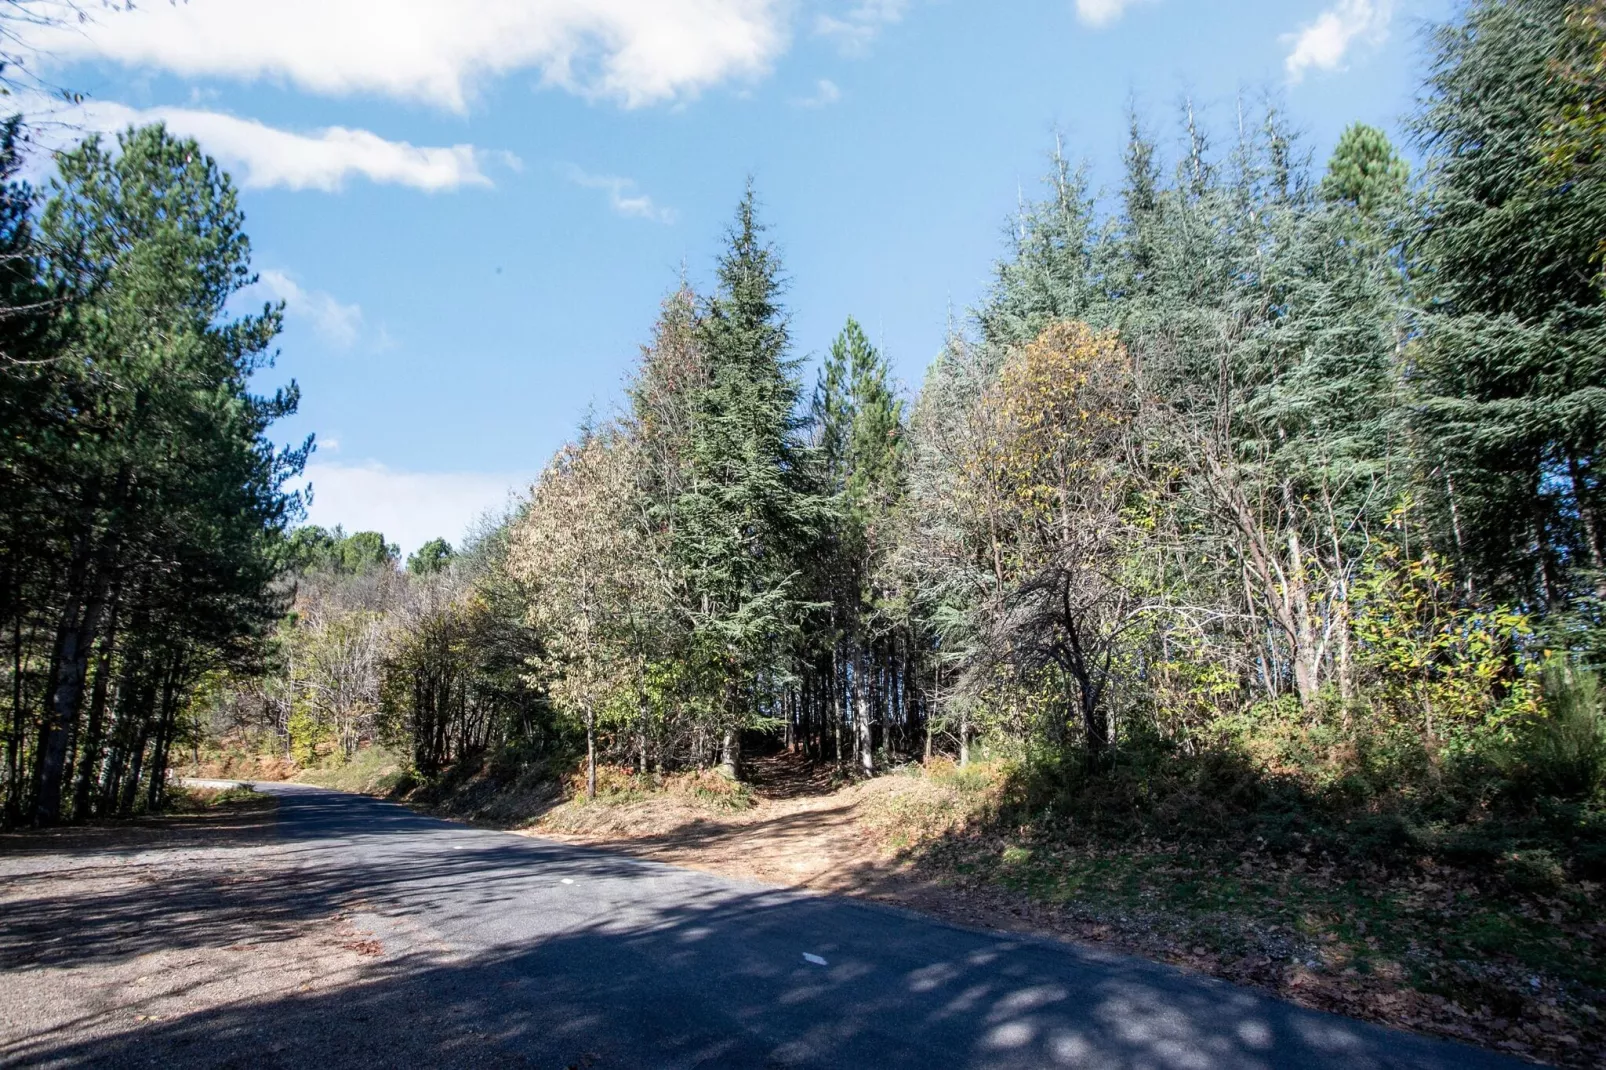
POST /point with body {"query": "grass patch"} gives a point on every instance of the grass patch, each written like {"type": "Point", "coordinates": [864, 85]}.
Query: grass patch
{"type": "Point", "coordinates": [372, 770]}
{"type": "Point", "coordinates": [1488, 928]}
{"type": "Point", "coordinates": [191, 800]}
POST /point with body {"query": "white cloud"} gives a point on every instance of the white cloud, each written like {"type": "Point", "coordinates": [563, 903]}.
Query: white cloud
{"type": "Point", "coordinates": [622, 196]}
{"type": "Point", "coordinates": [1324, 43]}
{"type": "Point", "coordinates": [636, 52]}
{"type": "Point", "coordinates": [857, 28]}
{"type": "Point", "coordinates": [262, 156]}
{"type": "Point", "coordinates": [1102, 12]}
{"type": "Point", "coordinates": [825, 94]}
{"type": "Point", "coordinates": [337, 323]}
{"type": "Point", "coordinates": [410, 508]}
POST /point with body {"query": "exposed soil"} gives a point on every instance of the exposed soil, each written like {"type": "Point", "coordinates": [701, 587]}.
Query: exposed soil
{"type": "Point", "coordinates": [808, 830]}
{"type": "Point", "coordinates": [112, 929]}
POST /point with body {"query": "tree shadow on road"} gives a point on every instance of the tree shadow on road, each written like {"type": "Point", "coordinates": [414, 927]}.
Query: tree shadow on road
{"type": "Point", "coordinates": [636, 964]}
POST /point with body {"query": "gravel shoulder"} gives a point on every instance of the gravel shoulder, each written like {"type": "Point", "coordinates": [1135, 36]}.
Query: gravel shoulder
{"type": "Point", "coordinates": [114, 929]}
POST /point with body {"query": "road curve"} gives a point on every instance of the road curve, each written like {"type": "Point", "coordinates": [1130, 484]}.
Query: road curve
{"type": "Point", "coordinates": [502, 950]}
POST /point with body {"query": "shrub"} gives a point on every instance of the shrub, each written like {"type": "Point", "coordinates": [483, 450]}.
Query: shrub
{"type": "Point", "coordinates": [1562, 751]}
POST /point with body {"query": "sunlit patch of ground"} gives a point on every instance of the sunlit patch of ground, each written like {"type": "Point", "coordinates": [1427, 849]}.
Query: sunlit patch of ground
{"type": "Point", "coordinates": [113, 929]}
{"type": "Point", "coordinates": [1425, 950]}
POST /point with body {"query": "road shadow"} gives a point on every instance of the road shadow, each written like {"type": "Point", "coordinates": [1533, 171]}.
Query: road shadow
{"type": "Point", "coordinates": [554, 956]}
{"type": "Point", "coordinates": [247, 823]}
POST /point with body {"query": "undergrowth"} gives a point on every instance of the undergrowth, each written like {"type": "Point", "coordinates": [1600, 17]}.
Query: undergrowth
{"type": "Point", "coordinates": [181, 799]}
{"type": "Point", "coordinates": [372, 770]}
{"type": "Point", "coordinates": [618, 785]}
{"type": "Point", "coordinates": [1280, 851]}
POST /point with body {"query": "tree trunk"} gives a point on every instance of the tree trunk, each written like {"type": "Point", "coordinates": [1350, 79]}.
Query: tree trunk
{"type": "Point", "coordinates": [964, 736]}
{"type": "Point", "coordinates": [591, 754]}
{"type": "Point", "coordinates": [66, 695]}
{"type": "Point", "coordinates": [642, 741]}
{"type": "Point", "coordinates": [1592, 533]}
{"type": "Point", "coordinates": [156, 781]}
{"type": "Point", "coordinates": [72, 655]}
{"type": "Point", "coordinates": [14, 737]}
{"type": "Point", "coordinates": [136, 764]}
{"type": "Point", "coordinates": [861, 724]}
{"type": "Point", "coordinates": [89, 753]}
{"type": "Point", "coordinates": [730, 757]}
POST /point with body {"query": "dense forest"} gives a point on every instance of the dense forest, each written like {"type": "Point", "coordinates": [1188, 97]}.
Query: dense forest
{"type": "Point", "coordinates": [141, 539]}
{"type": "Point", "coordinates": [1246, 460]}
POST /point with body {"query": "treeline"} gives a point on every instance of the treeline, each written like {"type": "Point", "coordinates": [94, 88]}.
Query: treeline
{"type": "Point", "coordinates": [141, 533]}
{"type": "Point", "coordinates": [1300, 464]}
{"type": "Point", "coordinates": [1238, 448]}
{"type": "Point", "coordinates": [432, 659]}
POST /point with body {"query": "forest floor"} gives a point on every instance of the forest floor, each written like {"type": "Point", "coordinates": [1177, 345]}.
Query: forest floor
{"type": "Point", "coordinates": [806, 829]}
{"type": "Point", "coordinates": [112, 928]}
{"type": "Point", "coordinates": [1426, 951]}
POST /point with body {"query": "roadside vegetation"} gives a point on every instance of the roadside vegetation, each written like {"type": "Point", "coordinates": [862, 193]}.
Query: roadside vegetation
{"type": "Point", "coordinates": [1231, 587]}
{"type": "Point", "coordinates": [192, 800]}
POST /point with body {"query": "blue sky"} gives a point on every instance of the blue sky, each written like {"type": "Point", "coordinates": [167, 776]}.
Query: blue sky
{"type": "Point", "coordinates": [473, 208]}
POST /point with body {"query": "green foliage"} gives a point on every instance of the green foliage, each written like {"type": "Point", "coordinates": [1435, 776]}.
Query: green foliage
{"type": "Point", "coordinates": [430, 558]}
{"type": "Point", "coordinates": [1454, 676]}
{"type": "Point", "coordinates": [750, 506]}
{"type": "Point", "coordinates": [308, 735]}
{"type": "Point", "coordinates": [315, 549]}
{"type": "Point", "coordinates": [140, 536]}
{"type": "Point", "coordinates": [1365, 172]}
{"type": "Point", "coordinates": [1509, 371]}
{"type": "Point", "coordinates": [372, 770]}
{"type": "Point", "coordinates": [1562, 753]}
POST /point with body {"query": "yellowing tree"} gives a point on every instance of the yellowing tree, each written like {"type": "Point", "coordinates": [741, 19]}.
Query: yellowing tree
{"type": "Point", "coordinates": [579, 548]}
{"type": "Point", "coordinates": [1052, 478]}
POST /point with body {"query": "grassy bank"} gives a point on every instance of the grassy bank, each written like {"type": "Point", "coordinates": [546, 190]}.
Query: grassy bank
{"type": "Point", "coordinates": [1486, 926]}
{"type": "Point", "coordinates": [371, 770]}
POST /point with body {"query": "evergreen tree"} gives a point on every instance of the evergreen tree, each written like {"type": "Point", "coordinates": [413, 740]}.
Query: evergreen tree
{"type": "Point", "coordinates": [1365, 171]}
{"type": "Point", "coordinates": [861, 432]}
{"type": "Point", "coordinates": [1513, 356]}
{"type": "Point", "coordinates": [432, 557]}
{"type": "Point", "coordinates": [751, 504]}
{"type": "Point", "coordinates": [167, 502]}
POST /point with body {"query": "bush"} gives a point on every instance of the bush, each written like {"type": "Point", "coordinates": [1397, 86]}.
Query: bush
{"type": "Point", "coordinates": [622, 784]}
{"type": "Point", "coordinates": [372, 770]}
{"type": "Point", "coordinates": [1562, 752]}
{"type": "Point", "coordinates": [1535, 871]}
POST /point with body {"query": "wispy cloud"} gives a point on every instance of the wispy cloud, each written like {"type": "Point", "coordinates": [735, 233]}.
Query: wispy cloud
{"type": "Point", "coordinates": [1102, 12]}
{"type": "Point", "coordinates": [857, 28]}
{"type": "Point", "coordinates": [338, 323]}
{"type": "Point", "coordinates": [622, 195]}
{"type": "Point", "coordinates": [636, 52]}
{"type": "Point", "coordinates": [825, 94]}
{"type": "Point", "coordinates": [1324, 44]}
{"type": "Point", "coordinates": [265, 156]}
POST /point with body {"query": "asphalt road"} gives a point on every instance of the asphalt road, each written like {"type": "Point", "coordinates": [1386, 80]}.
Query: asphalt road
{"type": "Point", "coordinates": [501, 950]}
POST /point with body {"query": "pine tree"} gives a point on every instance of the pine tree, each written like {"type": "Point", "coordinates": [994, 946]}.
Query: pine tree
{"type": "Point", "coordinates": [860, 422]}
{"type": "Point", "coordinates": [1365, 171]}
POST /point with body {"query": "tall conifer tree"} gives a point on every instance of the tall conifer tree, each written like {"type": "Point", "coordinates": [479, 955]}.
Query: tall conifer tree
{"type": "Point", "coordinates": [1513, 361]}
{"type": "Point", "coordinates": [751, 504]}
